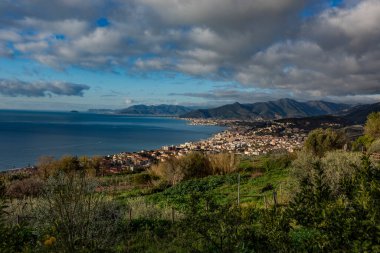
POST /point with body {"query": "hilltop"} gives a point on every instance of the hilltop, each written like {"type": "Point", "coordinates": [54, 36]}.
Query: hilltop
{"type": "Point", "coordinates": [162, 110]}
{"type": "Point", "coordinates": [283, 108]}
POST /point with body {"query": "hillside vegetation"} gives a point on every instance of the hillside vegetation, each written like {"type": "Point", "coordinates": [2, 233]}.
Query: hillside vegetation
{"type": "Point", "coordinates": [324, 198]}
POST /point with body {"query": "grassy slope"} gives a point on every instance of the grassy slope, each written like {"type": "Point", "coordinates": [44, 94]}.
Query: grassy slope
{"type": "Point", "coordinates": [222, 187]}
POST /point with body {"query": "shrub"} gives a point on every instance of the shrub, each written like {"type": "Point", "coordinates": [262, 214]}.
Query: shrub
{"type": "Point", "coordinates": [340, 166]}
{"type": "Point", "coordinates": [141, 178]}
{"type": "Point", "coordinates": [372, 126]}
{"type": "Point", "coordinates": [30, 187]}
{"type": "Point", "coordinates": [223, 163]}
{"type": "Point", "coordinates": [174, 170]}
{"type": "Point", "coordinates": [275, 162]}
{"type": "Point", "coordinates": [362, 142]}
{"type": "Point", "coordinates": [77, 216]}
{"type": "Point", "coordinates": [169, 171]}
{"type": "Point", "coordinates": [374, 147]}
{"type": "Point", "coordinates": [320, 141]}
{"type": "Point", "coordinates": [303, 166]}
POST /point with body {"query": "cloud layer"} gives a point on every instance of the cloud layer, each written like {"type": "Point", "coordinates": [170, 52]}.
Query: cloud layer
{"type": "Point", "coordinates": [14, 88]}
{"type": "Point", "coordinates": [305, 48]}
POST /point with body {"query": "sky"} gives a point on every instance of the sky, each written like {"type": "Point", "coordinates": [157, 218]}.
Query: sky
{"type": "Point", "coordinates": [82, 54]}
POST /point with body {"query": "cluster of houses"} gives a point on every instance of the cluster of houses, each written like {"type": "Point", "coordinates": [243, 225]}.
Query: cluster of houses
{"type": "Point", "coordinates": [244, 140]}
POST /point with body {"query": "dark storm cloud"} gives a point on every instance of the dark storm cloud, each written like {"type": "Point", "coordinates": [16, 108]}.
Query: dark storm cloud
{"type": "Point", "coordinates": [15, 88]}
{"type": "Point", "coordinates": [303, 47]}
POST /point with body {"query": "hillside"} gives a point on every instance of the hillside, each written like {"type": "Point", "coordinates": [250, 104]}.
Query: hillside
{"type": "Point", "coordinates": [167, 110]}
{"type": "Point", "coordinates": [283, 108]}
{"type": "Point", "coordinates": [358, 114]}
{"type": "Point", "coordinates": [352, 116]}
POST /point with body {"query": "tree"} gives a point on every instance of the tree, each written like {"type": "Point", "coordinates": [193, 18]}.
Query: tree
{"type": "Point", "coordinates": [372, 126]}
{"type": "Point", "coordinates": [319, 141]}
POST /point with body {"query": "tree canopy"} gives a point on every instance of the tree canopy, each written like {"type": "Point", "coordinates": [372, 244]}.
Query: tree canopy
{"type": "Point", "coordinates": [372, 126]}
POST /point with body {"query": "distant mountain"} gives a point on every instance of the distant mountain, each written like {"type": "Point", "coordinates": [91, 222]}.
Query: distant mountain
{"type": "Point", "coordinates": [356, 115]}
{"type": "Point", "coordinates": [359, 113]}
{"type": "Point", "coordinates": [283, 108]}
{"type": "Point", "coordinates": [101, 111]}
{"type": "Point", "coordinates": [163, 110]}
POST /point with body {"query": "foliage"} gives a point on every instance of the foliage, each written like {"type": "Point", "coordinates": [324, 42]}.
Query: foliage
{"type": "Point", "coordinates": [303, 166]}
{"type": "Point", "coordinates": [77, 216]}
{"type": "Point", "coordinates": [174, 170]}
{"type": "Point", "coordinates": [340, 166]}
{"type": "Point", "coordinates": [13, 238]}
{"type": "Point", "coordinates": [319, 141]}
{"type": "Point", "coordinates": [372, 125]}
{"type": "Point", "coordinates": [274, 162]}
{"type": "Point", "coordinates": [30, 187]}
{"type": "Point", "coordinates": [374, 147]}
{"type": "Point", "coordinates": [349, 221]}
{"type": "Point", "coordinates": [47, 166]}
{"type": "Point", "coordinates": [362, 143]}
{"type": "Point", "coordinates": [334, 210]}
{"type": "Point", "coordinates": [220, 234]}
{"type": "Point", "coordinates": [179, 194]}
{"type": "Point", "coordinates": [223, 163]}
{"type": "Point", "coordinates": [169, 171]}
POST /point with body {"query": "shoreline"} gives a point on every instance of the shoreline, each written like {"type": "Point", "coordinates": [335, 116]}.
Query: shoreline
{"type": "Point", "coordinates": [242, 138]}
{"type": "Point", "coordinates": [33, 167]}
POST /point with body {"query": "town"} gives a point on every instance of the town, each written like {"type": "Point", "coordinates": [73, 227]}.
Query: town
{"type": "Point", "coordinates": [238, 138]}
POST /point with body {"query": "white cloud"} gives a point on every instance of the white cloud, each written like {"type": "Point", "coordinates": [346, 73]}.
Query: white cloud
{"type": "Point", "coordinates": [15, 88]}
{"type": "Point", "coordinates": [258, 43]}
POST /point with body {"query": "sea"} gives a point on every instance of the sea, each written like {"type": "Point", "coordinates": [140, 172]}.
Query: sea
{"type": "Point", "coordinates": [27, 135]}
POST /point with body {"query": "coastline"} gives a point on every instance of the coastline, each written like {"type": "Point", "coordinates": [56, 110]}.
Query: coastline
{"type": "Point", "coordinates": [242, 138]}
{"type": "Point", "coordinates": [142, 152]}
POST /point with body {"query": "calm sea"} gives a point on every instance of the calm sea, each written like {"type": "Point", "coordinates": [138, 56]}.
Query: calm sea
{"type": "Point", "coordinates": [27, 135]}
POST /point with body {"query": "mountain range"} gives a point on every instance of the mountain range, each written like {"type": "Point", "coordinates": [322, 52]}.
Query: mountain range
{"type": "Point", "coordinates": [162, 110]}
{"type": "Point", "coordinates": [311, 112]}
{"type": "Point", "coordinates": [283, 108]}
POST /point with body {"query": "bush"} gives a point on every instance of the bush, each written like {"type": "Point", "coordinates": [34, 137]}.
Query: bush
{"type": "Point", "coordinates": [362, 143]}
{"type": "Point", "coordinates": [77, 216]}
{"type": "Point", "coordinates": [319, 141]}
{"type": "Point", "coordinates": [141, 178]}
{"type": "Point", "coordinates": [175, 170]}
{"type": "Point", "coordinates": [275, 162]}
{"type": "Point", "coordinates": [372, 126]}
{"type": "Point", "coordinates": [374, 147]}
{"type": "Point", "coordinates": [340, 166]}
{"type": "Point", "coordinates": [169, 171]}
{"type": "Point", "coordinates": [31, 187]}
{"type": "Point", "coordinates": [223, 163]}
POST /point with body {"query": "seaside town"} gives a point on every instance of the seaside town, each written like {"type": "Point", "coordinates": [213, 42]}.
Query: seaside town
{"type": "Point", "coordinates": [239, 139]}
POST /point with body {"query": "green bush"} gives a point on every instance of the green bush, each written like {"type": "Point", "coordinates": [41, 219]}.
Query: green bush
{"type": "Point", "coordinates": [79, 218]}
{"type": "Point", "coordinates": [374, 147]}
{"type": "Point", "coordinates": [141, 178]}
{"type": "Point", "coordinates": [319, 141]}
{"type": "Point", "coordinates": [372, 126]}
{"type": "Point", "coordinates": [340, 166]}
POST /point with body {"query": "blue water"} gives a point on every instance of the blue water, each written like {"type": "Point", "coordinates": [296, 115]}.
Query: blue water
{"type": "Point", "coordinates": [26, 135]}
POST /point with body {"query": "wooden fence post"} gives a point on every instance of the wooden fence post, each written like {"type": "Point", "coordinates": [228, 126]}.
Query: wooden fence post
{"type": "Point", "coordinates": [238, 197]}
{"type": "Point", "coordinates": [265, 202]}
{"type": "Point", "coordinates": [275, 198]}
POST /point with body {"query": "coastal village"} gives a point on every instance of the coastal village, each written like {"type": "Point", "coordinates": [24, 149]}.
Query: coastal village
{"type": "Point", "coordinates": [238, 139]}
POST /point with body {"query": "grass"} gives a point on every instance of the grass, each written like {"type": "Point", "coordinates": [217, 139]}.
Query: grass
{"type": "Point", "coordinates": [224, 188]}
{"type": "Point", "coordinates": [258, 180]}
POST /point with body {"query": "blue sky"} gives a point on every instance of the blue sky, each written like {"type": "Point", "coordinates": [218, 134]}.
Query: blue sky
{"type": "Point", "coordinates": [70, 54]}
